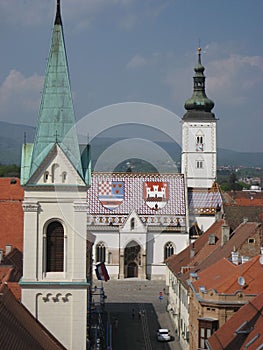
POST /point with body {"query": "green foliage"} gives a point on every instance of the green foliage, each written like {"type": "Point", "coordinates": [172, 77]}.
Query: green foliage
{"type": "Point", "coordinates": [9, 170]}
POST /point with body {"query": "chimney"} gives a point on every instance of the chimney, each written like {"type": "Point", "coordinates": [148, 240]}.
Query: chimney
{"type": "Point", "coordinates": [8, 248]}
{"type": "Point", "coordinates": [192, 250]}
{"type": "Point", "coordinates": [234, 257]}
{"type": "Point", "coordinates": [212, 239]}
{"type": "Point", "coordinates": [224, 234]}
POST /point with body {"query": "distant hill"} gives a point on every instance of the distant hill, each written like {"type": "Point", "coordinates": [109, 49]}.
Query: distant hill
{"type": "Point", "coordinates": [12, 137]}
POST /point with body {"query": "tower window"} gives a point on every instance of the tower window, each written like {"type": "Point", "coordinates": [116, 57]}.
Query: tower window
{"type": "Point", "coordinates": [199, 164]}
{"type": "Point", "coordinates": [100, 252]}
{"type": "Point", "coordinates": [55, 247]}
{"type": "Point", "coordinates": [168, 250]}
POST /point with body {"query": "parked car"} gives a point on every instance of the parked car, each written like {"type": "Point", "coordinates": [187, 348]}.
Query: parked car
{"type": "Point", "coordinates": [163, 334]}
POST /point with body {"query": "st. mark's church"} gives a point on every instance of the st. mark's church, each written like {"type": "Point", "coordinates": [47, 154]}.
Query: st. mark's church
{"type": "Point", "coordinates": [133, 221]}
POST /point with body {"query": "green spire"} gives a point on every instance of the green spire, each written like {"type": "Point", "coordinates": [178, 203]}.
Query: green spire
{"type": "Point", "coordinates": [199, 101]}
{"type": "Point", "coordinates": [56, 121]}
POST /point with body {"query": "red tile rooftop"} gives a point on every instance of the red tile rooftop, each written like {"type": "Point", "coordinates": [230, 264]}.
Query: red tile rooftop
{"type": "Point", "coordinates": [243, 330]}
{"type": "Point", "coordinates": [223, 276]}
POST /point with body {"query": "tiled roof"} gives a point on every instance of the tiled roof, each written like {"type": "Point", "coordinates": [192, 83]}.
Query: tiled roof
{"type": "Point", "coordinates": [243, 198]}
{"type": "Point", "coordinates": [204, 201]}
{"type": "Point", "coordinates": [223, 276]}
{"type": "Point", "coordinates": [14, 258]}
{"type": "Point", "coordinates": [205, 254]}
{"type": "Point", "coordinates": [11, 213]}
{"type": "Point", "coordinates": [242, 205]}
{"type": "Point", "coordinates": [197, 251]}
{"type": "Point", "coordinates": [11, 272]}
{"type": "Point", "coordinates": [132, 195]}
{"type": "Point", "coordinates": [19, 330]}
{"type": "Point", "coordinates": [243, 330]}
{"type": "Point", "coordinates": [10, 189]}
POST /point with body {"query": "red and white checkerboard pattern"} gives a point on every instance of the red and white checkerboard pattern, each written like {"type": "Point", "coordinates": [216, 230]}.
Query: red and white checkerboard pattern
{"type": "Point", "coordinates": [105, 188]}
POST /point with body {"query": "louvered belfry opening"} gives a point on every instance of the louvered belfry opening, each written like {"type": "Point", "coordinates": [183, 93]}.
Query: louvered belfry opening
{"type": "Point", "coordinates": [55, 247]}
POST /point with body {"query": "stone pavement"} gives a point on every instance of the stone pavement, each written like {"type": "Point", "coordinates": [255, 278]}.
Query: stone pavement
{"type": "Point", "coordinates": [133, 312]}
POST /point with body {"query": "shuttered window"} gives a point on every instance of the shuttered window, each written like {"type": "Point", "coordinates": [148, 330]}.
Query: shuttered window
{"type": "Point", "coordinates": [55, 247]}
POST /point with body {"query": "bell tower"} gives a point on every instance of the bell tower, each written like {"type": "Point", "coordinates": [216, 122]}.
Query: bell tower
{"type": "Point", "coordinates": [199, 135]}
{"type": "Point", "coordinates": [55, 177]}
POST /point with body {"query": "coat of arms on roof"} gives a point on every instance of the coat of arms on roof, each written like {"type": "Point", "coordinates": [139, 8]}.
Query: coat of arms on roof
{"type": "Point", "coordinates": [155, 194]}
{"type": "Point", "coordinates": [111, 194]}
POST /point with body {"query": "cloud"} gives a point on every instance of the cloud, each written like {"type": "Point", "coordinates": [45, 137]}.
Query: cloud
{"type": "Point", "coordinates": [20, 97]}
{"type": "Point", "coordinates": [136, 61]}
{"type": "Point", "coordinates": [79, 14]}
{"type": "Point", "coordinates": [232, 78]}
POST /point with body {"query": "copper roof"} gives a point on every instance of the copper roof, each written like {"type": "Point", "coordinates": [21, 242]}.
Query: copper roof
{"type": "Point", "coordinates": [243, 330]}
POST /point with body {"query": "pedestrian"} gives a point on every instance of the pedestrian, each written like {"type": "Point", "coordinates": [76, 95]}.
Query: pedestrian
{"type": "Point", "coordinates": [139, 315]}
{"type": "Point", "coordinates": [133, 314]}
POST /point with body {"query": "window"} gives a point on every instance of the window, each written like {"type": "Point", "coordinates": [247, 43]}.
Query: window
{"type": "Point", "coordinates": [100, 252]}
{"type": "Point", "coordinates": [132, 224]}
{"type": "Point", "coordinates": [64, 176]}
{"type": "Point", "coordinates": [199, 141]}
{"type": "Point", "coordinates": [55, 247]}
{"type": "Point", "coordinates": [206, 329]}
{"type": "Point", "coordinates": [199, 164]}
{"type": "Point", "coordinates": [46, 174]}
{"type": "Point", "coordinates": [168, 250]}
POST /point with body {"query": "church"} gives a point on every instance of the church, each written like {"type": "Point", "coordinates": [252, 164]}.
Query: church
{"type": "Point", "coordinates": [133, 221]}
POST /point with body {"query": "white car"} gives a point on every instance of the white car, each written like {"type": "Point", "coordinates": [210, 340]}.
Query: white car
{"type": "Point", "coordinates": [163, 334]}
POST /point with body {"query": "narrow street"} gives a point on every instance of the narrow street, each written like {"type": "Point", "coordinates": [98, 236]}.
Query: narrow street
{"type": "Point", "coordinates": [133, 313]}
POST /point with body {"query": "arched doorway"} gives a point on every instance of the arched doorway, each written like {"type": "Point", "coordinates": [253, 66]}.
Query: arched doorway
{"type": "Point", "coordinates": [132, 270]}
{"type": "Point", "coordinates": [132, 259]}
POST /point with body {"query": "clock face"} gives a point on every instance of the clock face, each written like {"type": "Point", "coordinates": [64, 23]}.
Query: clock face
{"type": "Point", "coordinates": [199, 147]}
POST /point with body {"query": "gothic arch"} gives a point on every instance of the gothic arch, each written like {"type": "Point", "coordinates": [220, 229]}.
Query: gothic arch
{"type": "Point", "coordinates": [169, 249]}
{"type": "Point", "coordinates": [132, 259]}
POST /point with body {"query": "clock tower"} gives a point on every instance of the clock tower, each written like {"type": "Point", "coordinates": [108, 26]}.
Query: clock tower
{"type": "Point", "coordinates": [199, 135]}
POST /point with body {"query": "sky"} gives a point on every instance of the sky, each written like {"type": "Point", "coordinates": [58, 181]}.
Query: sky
{"type": "Point", "coordinates": [140, 51]}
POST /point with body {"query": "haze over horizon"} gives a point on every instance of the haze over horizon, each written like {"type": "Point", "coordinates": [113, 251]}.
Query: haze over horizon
{"type": "Point", "coordinates": [133, 51]}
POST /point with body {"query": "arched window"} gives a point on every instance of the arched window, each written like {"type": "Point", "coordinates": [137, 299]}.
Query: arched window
{"type": "Point", "coordinates": [46, 175]}
{"type": "Point", "coordinates": [168, 250]}
{"type": "Point", "coordinates": [64, 176]}
{"type": "Point", "coordinates": [132, 223]}
{"type": "Point", "coordinates": [55, 247]}
{"type": "Point", "coordinates": [100, 252]}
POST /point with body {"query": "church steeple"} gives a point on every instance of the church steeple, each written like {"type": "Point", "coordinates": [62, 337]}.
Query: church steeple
{"type": "Point", "coordinates": [56, 120]}
{"type": "Point", "coordinates": [58, 15]}
{"type": "Point", "coordinates": [199, 102]}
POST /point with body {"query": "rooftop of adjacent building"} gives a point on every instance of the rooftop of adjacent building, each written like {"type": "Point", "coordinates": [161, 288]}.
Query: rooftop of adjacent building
{"type": "Point", "coordinates": [11, 214]}
{"type": "Point", "coordinates": [243, 330]}
{"type": "Point", "coordinates": [226, 277]}
{"type": "Point", "coordinates": [216, 243]}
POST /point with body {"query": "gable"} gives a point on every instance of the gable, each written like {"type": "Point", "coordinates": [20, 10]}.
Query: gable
{"type": "Point", "coordinates": [56, 169]}
{"type": "Point", "coordinates": [133, 223]}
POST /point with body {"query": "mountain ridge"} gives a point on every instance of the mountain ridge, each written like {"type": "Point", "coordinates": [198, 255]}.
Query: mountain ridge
{"type": "Point", "coordinates": [12, 136]}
